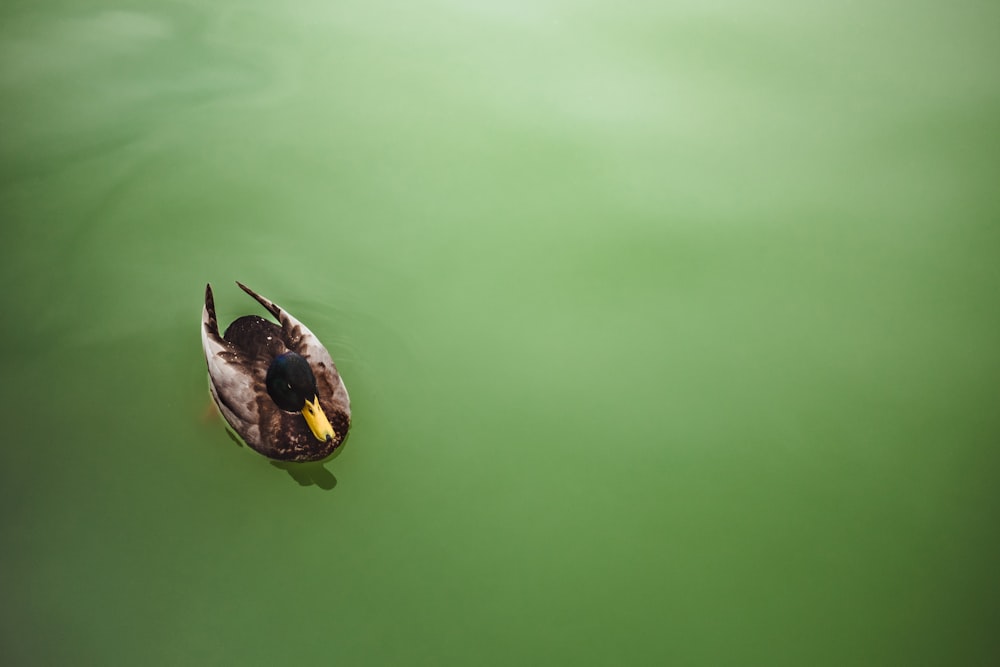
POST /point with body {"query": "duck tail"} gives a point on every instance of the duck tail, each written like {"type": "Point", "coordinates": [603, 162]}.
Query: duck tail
{"type": "Point", "coordinates": [267, 303]}
{"type": "Point", "coordinates": [208, 318]}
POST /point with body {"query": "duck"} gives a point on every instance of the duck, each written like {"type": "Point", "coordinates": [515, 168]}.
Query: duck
{"type": "Point", "coordinates": [275, 384]}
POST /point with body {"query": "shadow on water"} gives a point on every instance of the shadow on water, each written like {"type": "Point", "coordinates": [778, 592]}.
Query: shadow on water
{"type": "Point", "coordinates": [312, 473]}
{"type": "Point", "coordinates": [308, 474]}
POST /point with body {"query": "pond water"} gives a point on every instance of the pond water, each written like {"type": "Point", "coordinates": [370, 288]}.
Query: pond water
{"type": "Point", "coordinates": [670, 331]}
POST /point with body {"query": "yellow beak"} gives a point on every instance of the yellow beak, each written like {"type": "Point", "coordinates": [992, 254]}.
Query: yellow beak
{"type": "Point", "coordinates": [317, 420]}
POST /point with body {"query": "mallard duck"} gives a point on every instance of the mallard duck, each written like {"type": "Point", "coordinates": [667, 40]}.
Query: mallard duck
{"type": "Point", "coordinates": [275, 385]}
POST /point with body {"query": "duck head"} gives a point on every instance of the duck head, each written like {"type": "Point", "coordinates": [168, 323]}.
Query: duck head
{"type": "Point", "coordinates": [292, 386]}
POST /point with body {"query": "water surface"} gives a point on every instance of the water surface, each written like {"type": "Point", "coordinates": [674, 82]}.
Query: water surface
{"type": "Point", "coordinates": [670, 331]}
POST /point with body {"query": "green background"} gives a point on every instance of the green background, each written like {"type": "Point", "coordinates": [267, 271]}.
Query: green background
{"type": "Point", "coordinates": [671, 331]}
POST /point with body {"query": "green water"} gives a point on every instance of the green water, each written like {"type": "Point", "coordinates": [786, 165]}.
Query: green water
{"type": "Point", "coordinates": [671, 331]}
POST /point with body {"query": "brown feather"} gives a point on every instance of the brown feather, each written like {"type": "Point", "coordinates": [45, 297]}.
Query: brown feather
{"type": "Point", "coordinates": [237, 366]}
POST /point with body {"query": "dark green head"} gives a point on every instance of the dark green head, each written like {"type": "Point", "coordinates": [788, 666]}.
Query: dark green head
{"type": "Point", "coordinates": [290, 382]}
{"type": "Point", "coordinates": [292, 386]}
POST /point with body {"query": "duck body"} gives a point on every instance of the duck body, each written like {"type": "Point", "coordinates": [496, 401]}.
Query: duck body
{"type": "Point", "coordinates": [275, 384]}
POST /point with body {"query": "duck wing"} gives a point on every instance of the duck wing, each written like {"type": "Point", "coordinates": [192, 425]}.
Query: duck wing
{"type": "Point", "coordinates": [233, 383]}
